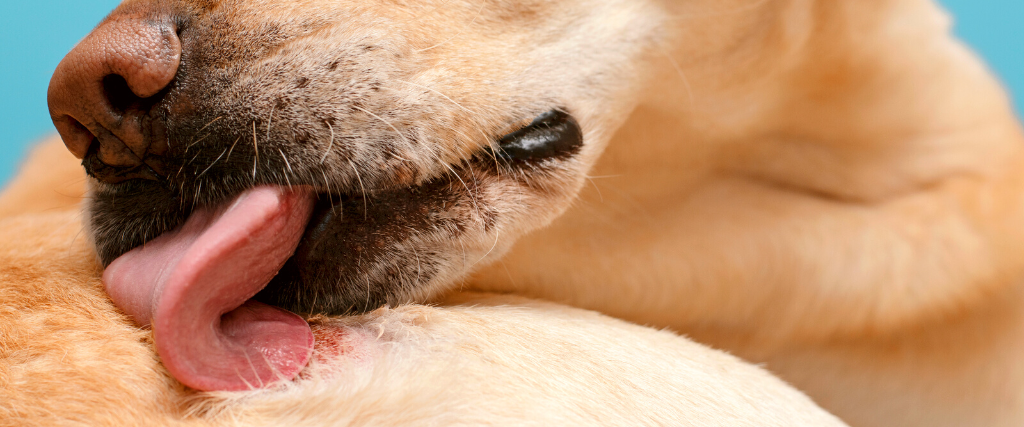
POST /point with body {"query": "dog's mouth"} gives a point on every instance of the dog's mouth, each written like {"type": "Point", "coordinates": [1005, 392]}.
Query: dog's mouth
{"type": "Point", "coordinates": [247, 175]}
{"type": "Point", "coordinates": [221, 289]}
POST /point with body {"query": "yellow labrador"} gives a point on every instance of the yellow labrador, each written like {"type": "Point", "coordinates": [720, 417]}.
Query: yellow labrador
{"type": "Point", "coordinates": [833, 188]}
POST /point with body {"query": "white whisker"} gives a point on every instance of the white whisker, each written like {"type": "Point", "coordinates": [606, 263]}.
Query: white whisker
{"type": "Point", "coordinates": [362, 189]}
{"type": "Point", "coordinates": [194, 142]}
{"type": "Point", "coordinates": [269, 121]}
{"type": "Point", "coordinates": [406, 140]}
{"type": "Point", "coordinates": [481, 9]}
{"type": "Point", "coordinates": [232, 150]}
{"type": "Point", "coordinates": [437, 92]}
{"type": "Point", "coordinates": [211, 164]}
{"type": "Point", "coordinates": [330, 145]}
{"type": "Point", "coordinates": [256, 150]}
{"type": "Point", "coordinates": [289, 166]}
{"type": "Point", "coordinates": [679, 71]}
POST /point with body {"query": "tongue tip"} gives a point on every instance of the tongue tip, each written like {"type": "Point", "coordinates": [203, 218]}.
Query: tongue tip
{"type": "Point", "coordinates": [256, 345]}
{"type": "Point", "coordinates": [184, 280]}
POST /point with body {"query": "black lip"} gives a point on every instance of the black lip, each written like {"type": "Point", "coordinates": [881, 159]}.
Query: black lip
{"type": "Point", "coordinates": [554, 134]}
{"type": "Point", "coordinates": [348, 259]}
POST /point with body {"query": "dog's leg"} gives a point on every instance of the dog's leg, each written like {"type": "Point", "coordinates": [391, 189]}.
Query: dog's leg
{"type": "Point", "coordinates": [798, 169]}
{"type": "Point", "coordinates": [838, 192]}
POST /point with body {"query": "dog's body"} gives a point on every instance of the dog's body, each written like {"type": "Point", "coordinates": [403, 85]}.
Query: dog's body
{"type": "Point", "coordinates": [68, 357]}
{"type": "Point", "coordinates": [832, 188]}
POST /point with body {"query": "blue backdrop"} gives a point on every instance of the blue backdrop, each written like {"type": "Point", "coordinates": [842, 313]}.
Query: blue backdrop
{"type": "Point", "coordinates": [35, 34]}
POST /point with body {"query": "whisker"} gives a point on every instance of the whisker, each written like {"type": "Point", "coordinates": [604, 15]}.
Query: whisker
{"type": "Point", "coordinates": [269, 121]}
{"type": "Point", "coordinates": [214, 162]}
{"type": "Point", "coordinates": [254, 371]}
{"type": "Point", "coordinates": [189, 147]}
{"type": "Point", "coordinates": [463, 108]}
{"type": "Point", "coordinates": [460, 31]}
{"type": "Point", "coordinates": [400, 134]}
{"type": "Point", "coordinates": [465, 258]}
{"type": "Point", "coordinates": [404, 139]}
{"type": "Point", "coordinates": [327, 182]}
{"type": "Point", "coordinates": [330, 193]}
{"type": "Point", "coordinates": [255, 149]}
{"type": "Point", "coordinates": [193, 160]}
{"type": "Point", "coordinates": [679, 71]}
{"type": "Point", "coordinates": [366, 305]}
{"type": "Point", "coordinates": [199, 190]}
{"type": "Point", "coordinates": [331, 144]}
{"type": "Point", "coordinates": [239, 375]}
{"type": "Point", "coordinates": [233, 144]}
{"type": "Point", "coordinates": [419, 270]}
{"type": "Point", "coordinates": [289, 166]}
{"type": "Point", "coordinates": [472, 197]}
{"type": "Point", "coordinates": [362, 189]}
{"type": "Point", "coordinates": [594, 184]}
{"type": "Point", "coordinates": [476, 184]}
{"type": "Point", "coordinates": [194, 142]}
{"type": "Point", "coordinates": [437, 92]}
{"type": "Point", "coordinates": [316, 297]}
{"type": "Point", "coordinates": [497, 236]}
{"type": "Point", "coordinates": [208, 124]}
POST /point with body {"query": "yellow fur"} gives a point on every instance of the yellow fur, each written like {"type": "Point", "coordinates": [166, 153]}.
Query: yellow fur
{"type": "Point", "coordinates": [833, 189]}
{"type": "Point", "coordinates": [69, 357]}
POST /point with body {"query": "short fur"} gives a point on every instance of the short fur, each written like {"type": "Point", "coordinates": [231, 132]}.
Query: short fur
{"type": "Point", "coordinates": [834, 188]}
{"type": "Point", "coordinates": [69, 357]}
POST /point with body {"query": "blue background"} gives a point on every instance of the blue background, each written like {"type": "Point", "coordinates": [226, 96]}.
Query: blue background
{"type": "Point", "coordinates": [35, 34]}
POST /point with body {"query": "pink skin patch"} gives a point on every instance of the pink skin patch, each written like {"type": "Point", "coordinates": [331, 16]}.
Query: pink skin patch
{"type": "Point", "coordinates": [333, 343]}
{"type": "Point", "coordinates": [193, 286]}
{"type": "Point", "coordinates": [340, 352]}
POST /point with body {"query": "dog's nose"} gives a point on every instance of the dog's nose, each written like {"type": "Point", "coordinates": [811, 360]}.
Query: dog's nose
{"type": "Point", "coordinates": [102, 92]}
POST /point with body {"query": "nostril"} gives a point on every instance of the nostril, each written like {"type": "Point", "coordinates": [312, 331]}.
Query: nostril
{"type": "Point", "coordinates": [113, 174]}
{"type": "Point", "coordinates": [104, 90]}
{"type": "Point", "coordinates": [76, 136]}
{"type": "Point", "coordinates": [119, 94]}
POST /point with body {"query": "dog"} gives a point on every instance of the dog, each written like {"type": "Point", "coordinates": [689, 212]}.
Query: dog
{"type": "Point", "coordinates": [829, 188]}
{"type": "Point", "coordinates": [68, 356]}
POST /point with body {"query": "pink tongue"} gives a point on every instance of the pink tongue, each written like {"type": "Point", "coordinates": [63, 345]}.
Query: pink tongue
{"type": "Point", "coordinates": [193, 285]}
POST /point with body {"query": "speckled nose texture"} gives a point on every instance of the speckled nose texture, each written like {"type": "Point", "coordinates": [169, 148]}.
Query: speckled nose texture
{"type": "Point", "coordinates": [101, 95]}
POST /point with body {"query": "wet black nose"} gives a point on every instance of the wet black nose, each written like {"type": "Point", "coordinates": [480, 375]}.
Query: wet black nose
{"type": "Point", "coordinates": [102, 94]}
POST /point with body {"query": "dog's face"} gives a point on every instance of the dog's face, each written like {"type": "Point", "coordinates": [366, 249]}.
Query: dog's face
{"type": "Point", "coordinates": [432, 134]}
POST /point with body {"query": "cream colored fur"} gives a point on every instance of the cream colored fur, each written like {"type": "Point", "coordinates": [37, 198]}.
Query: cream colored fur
{"type": "Point", "coordinates": [832, 188]}
{"type": "Point", "coordinates": [69, 357]}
